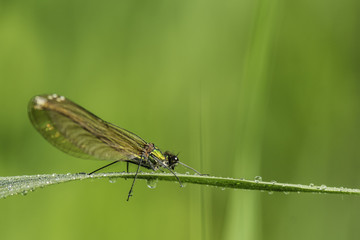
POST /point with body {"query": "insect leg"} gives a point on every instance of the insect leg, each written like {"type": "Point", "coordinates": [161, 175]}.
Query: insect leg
{"type": "Point", "coordinates": [152, 166]}
{"type": "Point", "coordinates": [103, 167]}
{"type": "Point", "coordinates": [190, 168]}
{"type": "Point", "coordinates": [171, 172]}
{"type": "Point", "coordinates": [137, 171]}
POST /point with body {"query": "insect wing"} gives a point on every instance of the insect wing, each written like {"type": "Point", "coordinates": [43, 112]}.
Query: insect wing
{"type": "Point", "coordinates": [80, 133]}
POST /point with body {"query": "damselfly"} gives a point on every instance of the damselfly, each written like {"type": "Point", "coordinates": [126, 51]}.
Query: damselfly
{"type": "Point", "coordinates": [76, 131]}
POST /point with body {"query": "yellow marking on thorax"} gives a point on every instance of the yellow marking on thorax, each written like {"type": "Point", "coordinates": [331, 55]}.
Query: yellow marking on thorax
{"type": "Point", "coordinates": [158, 154]}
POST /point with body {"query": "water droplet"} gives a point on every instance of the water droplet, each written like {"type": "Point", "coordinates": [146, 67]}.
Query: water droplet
{"type": "Point", "coordinates": [273, 182]}
{"type": "Point", "coordinates": [258, 179]}
{"type": "Point", "coordinates": [24, 192]}
{"type": "Point", "coordinates": [151, 183]}
{"type": "Point", "coordinates": [112, 180]}
{"type": "Point", "coordinates": [323, 187]}
{"type": "Point", "coordinates": [311, 185]}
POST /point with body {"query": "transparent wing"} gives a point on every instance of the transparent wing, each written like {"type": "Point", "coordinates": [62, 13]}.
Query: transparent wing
{"type": "Point", "coordinates": [76, 131]}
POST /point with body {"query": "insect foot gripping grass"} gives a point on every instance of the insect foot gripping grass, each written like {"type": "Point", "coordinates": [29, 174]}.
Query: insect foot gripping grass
{"type": "Point", "coordinates": [78, 132]}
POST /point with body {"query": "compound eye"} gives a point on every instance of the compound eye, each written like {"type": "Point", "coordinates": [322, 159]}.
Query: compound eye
{"type": "Point", "coordinates": [175, 160]}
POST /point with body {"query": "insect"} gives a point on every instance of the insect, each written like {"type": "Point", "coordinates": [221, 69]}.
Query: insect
{"type": "Point", "coordinates": [78, 132]}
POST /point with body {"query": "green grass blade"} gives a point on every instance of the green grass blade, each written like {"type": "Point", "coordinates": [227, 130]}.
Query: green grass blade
{"type": "Point", "coordinates": [24, 184]}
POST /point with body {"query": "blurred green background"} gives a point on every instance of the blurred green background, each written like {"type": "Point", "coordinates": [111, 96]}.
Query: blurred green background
{"type": "Point", "coordinates": [238, 88]}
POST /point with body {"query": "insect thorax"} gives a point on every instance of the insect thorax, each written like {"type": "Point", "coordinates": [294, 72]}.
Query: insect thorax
{"type": "Point", "coordinates": [156, 159]}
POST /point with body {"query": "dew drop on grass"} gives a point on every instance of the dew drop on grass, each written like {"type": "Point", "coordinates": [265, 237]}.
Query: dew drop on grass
{"type": "Point", "coordinates": [151, 183]}
{"type": "Point", "coordinates": [311, 185]}
{"type": "Point", "coordinates": [112, 180]}
{"type": "Point", "coordinates": [258, 179]}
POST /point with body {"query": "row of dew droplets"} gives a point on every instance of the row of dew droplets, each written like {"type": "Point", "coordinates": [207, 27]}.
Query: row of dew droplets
{"type": "Point", "coordinates": [24, 184]}
{"type": "Point", "coordinates": [10, 186]}
{"type": "Point", "coordinates": [258, 179]}
{"type": "Point", "coordinates": [151, 183]}
{"type": "Point", "coordinates": [41, 181]}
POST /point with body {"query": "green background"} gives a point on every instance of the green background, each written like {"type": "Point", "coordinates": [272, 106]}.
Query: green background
{"type": "Point", "coordinates": [238, 88]}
